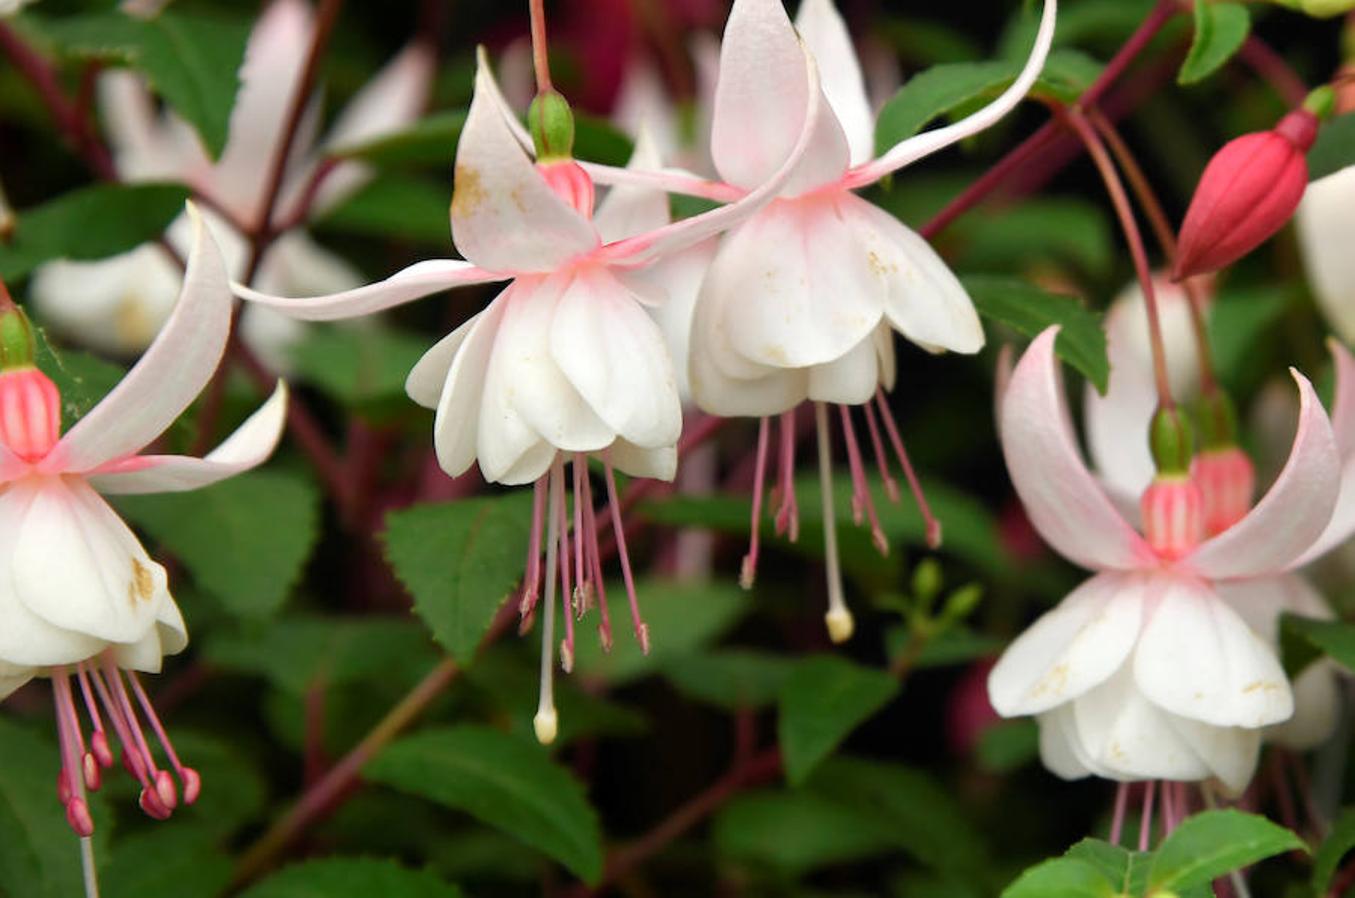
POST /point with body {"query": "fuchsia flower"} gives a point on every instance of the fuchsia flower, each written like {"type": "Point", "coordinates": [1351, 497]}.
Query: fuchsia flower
{"type": "Point", "coordinates": [1248, 191]}
{"type": "Point", "coordinates": [802, 298]}
{"type": "Point", "coordinates": [565, 362]}
{"type": "Point", "coordinates": [82, 602]}
{"type": "Point", "coordinates": [1146, 671]}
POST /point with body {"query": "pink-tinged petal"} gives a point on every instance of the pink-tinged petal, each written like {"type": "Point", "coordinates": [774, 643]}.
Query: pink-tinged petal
{"type": "Point", "coordinates": [166, 379]}
{"type": "Point", "coordinates": [1071, 649]}
{"type": "Point", "coordinates": [643, 104]}
{"type": "Point", "coordinates": [78, 566]}
{"type": "Point", "coordinates": [460, 391]}
{"type": "Point", "coordinates": [628, 210]}
{"type": "Point", "coordinates": [1064, 501]}
{"type": "Point", "coordinates": [28, 639]}
{"type": "Point", "coordinates": [928, 142]}
{"type": "Point", "coordinates": [248, 447]}
{"type": "Point", "coordinates": [825, 36]}
{"type": "Point", "coordinates": [1343, 403]}
{"type": "Point", "coordinates": [505, 217]}
{"type": "Point", "coordinates": [613, 354]}
{"type": "Point", "coordinates": [415, 282]}
{"type": "Point", "coordinates": [922, 298]}
{"type": "Point", "coordinates": [670, 180]}
{"type": "Point", "coordinates": [274, 59]}
{"type": "Point", "coordinates": [1198, 659]}
{"type": "Point", "coordinates": [647, 248]}
{"type": "Point", "coordinates": [1292, 515]}
{"type": "Point", "coordinates": [495, 94]}
{"type": "Point", "coordinates": [1117, 423]}
{"type": "Point", "coordinates": [11, 465]}
{"type": "Point", "coordinates": [145, 146]}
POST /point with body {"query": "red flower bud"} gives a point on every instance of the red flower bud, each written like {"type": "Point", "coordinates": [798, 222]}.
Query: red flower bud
{"type": "Point", "coordinates": [1247, 192]}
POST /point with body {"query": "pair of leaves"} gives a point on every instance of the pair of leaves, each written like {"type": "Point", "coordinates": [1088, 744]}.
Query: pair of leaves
{"type": "Point", "coordinates": [1203, 848]}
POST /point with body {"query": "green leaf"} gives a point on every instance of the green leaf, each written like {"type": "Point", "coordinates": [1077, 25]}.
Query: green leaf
{"type": "Point", "coordinates": [338, 877]}
{"type": "Point", "coordinates": [503, 781]}
{"type": "Point", "coordinates": [1214, 843]}
{"type": "Point", "coordinates": [1029, 310]}
{"type": "Point", "coordinates": [823, 700]}
{"type": "Point", "coordinates": [1063, 877]}
{"type": "Point", "coordinates": [1339, 840]}
{"type": "Point", "coordinates": [246, 540]}
{"type": "Point", "coordinates": [358, 365]}
{"type": "Point", "coordinates": [297, 653]}
{"type": "Point", "coordinates": [916, 812]}
{"type": "Point", "coordinates": [39, 855]}
{"type": "Point", "coordinates": [460, 561]}
{"type": "Point", "coordinates": [732, 679]}
{"type": "Point", "coordinates": [1115, 863]}
{"type": "Point", "coordinates": [90, 223]}
{"type": "Point", "coordinates": [192, 61]}
{"type": "Point", "coordinates": [796, 831]}
{"type": "Point", "coordinates": [1333, 638]}
{"type": "Point", "coordinates": [933, 93]}
{"type": "Point", "coordinates": [1220, 29]}
{"type": "Point", "coordinates": [1008, 745]}
{"type": "Point", "coordinates": [1335, 147]}
{"type": "Point", "coordinates": [395, 206]}
{"type": "Point", "coordinates": [83, 379]}
{"type": "Point", "coordinates": [180, 861]}
{"type": "Point", "coordinates": [682, 618]}
{"type": "Point", "coordinates": [1061, 229]}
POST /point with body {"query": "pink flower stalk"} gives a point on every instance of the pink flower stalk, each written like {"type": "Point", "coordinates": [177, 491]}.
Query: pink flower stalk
{"type": "Point", "coordinates": [1248, 191]}
{"type": "Point", "coordinates": [801, 300]}
{"type": "Point", "coordinates": [1146, 671]}
{"type": "Point", "coordinates": [565, 363]}
{"type": "Point", "coordinates": [87, 607]}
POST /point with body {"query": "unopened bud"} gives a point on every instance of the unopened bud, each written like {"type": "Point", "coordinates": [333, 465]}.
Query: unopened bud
{"type": "Point", "coordinates": [17, 347]}
{"type": "Point", "coordinates": [1173, 515]}
{"type": "Point", "coordinates": [1227, 481]}
{"type": "Point", "coordinates": [552, 126]}
{"type": "Point", "coordinates": [1248, 191]}
{"type": "Point", "coordinates": [962, 603]}
{"type": "Point", "coordinates": [571, 183]}
{"type": "Point", "coordinates": [1171, 442]}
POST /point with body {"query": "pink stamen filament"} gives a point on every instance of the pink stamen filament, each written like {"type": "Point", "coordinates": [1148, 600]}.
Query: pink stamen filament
{"type": "Point", "coordinates": [187, 775]}
{"type": "Point", "coordinates": [787, 512]}
{"type": "Point", "coordinates": [1146, 821]}
{"type": "Point", "coordinates": [532, 582]}
{"type": "Point", "coordinates": [99, 740]}
{"type": "Point", "coordinates": [748, 571]}
{"type": "Point", "coordinates": [1117, 818]}
{"type": "Point", "coordinates": [595, 565]}
{"type": "Point", "coordinates": [862, 501]}
{"type": "Point", "coordinates": [881, 457]}
{"type": "Point", "coordinates": [641, 630]}
{"type": "Point", "coordinates": [566, 591]}
{"type": "Point", "coordinates": [924, 508]}
{"type": "Point", "coordinates": [581, 573]}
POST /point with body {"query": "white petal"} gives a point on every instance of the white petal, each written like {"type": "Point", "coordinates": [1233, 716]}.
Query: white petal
{"type": "Point", "coordinates": [429, 374]}
{"type": "Point", "coordinates": [825, 35]}
{"type": "Point", "coordinates": [628, 210]}
{"type": "Point", "coordinates": [456, 425]}
{"type": "Point", "coordinates": [505, 217]}
{"type": "Point", "coordinates": [1072, 648]}
{"type": "Point", "coordinates": [11, 682]}
{"type": "Point", "coordinates": [167, 378]}
{"type": "Point", "coordinates": [922, 299]}
{"type": "Point", "coordinates": [1230, 753]}
{"type": "Point", "coordinates": [1057, 751]}
{"type": "Point", "coordinates": [1198, 659]}
{"type": "Point", "coordinates": [145, 147]}
{"type": "Point", "coordinates": [681, 276]}
{"type": "Point", "coordinates": [851, 379]}
{"type": "Point", "coordinates": [415, 282]}
{"type": "Point", "coordinates": [613, 354]}
{"type": "Point", "coordinates": [248, 447]}
{"type": "Point", "coordinates": [169, 637]}
{"type": "Point", "coordinates": [656, 464]}
{"type": "Point", "coordinates": [1325, 221]}
{"type": "Point", "coordinates": [79, 567]}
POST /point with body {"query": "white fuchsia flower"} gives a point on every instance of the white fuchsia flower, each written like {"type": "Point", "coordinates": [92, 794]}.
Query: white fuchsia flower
{"type": "Point", "coordinates": [1115, 424]}
{"type": "Point", "coordinates": [802, 299]}
{"type": "Point", "coordinates": [83, 603]}
{"type": "Point", "coordinates": [565, 362]}
{"type": "Point", "coordinates": [1146, 671]}
{"type": "Point", "coordinates": [1325, 221]}
{"type": "Point", "coordinates": [117, 305]}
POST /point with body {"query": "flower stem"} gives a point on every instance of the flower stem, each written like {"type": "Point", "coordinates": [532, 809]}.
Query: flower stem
{"type": "Point", "coordinates": [1120, 200]}
{"type": "Point", "coordinates": [91, 872]}
{"type": "Point", "coordinates": [540, 55]}
{"type": "Point", "coordinates": [1166, 238]}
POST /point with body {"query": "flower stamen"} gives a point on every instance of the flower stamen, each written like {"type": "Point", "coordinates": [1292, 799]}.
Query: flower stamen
{"type": "Point", "coordinates": [787, 512]}
{"type": "Point", "coordinates": [641, 629]}
{"type": "Point", "coordinates": [547, 721]}
{"type": "Point", "coordinates": [838, 618]}
{"type": "Point", "coordinates": [748, 571]}
{"type": "Point", "coordinates": [862, 501]}
{"type": "Point", "coordinates": [933, 526]}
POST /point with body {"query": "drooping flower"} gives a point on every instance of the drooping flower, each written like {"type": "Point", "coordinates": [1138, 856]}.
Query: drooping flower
{"type": "Point", "coordinates": [1325, 221]}
{"type": "Point", "coordinates": [85, 605]}
{"type": "Point", "coordinates": [565, 362]}
{"type": "Point", "coordinates": [802, 300]}
{"type": "Point", "coordinates": [1145, 671]}
{"type": "Point", "coordinates": [1226, 477]}
{"type": "Point", "coordinates": [117, 305]}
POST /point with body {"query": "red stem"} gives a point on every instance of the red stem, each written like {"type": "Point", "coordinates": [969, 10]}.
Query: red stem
{"type": "Point", "coordinates": [540, 53]}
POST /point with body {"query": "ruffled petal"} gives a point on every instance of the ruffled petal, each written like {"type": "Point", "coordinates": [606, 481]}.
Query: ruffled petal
{"type": "Point", "coordinates": [169, 637]}
{"type": "Point", "coordinates": [167, 378]}
{"type": "Point", "coordinates": [429, 374]}
{"type": "Point", "coordinates": [1292, 514]}
{"type": "Point", "coordinates": [914, 148]}
{"type": "Point", "coordinates": [1064, 501]}
{"type": "Point", "coordinates": [1059, 751]}
{"type": "Point", "coordinates": [1072, 648]}
{"type": "Point", "coordinates": [415, 282]}
{"type": "Point", "coordinates": [1230, 753]}
{"type": "Point", "coordinates": [825, 35]}
{"type": "Point", "coordinates": [1198, 659]}
{"type": "Point", "coordinates": [613, 354]}
{"type": "Point", "coordinates": [1325, 221]}
{"type": "Point", "coordinates": [505, 217]}
{"type": "Point", "coordinates": [77, 566]}
{"type": "Point", "coordinates": [633, 461]}
{"type": "Point", "coordinates": [922, 299]}
{"type": "Point", "coordinates": [461, 391]}
{"type": "Point", "coordinates": [851, 379]}
{"type": "Point", "coordinates": [248, 447]}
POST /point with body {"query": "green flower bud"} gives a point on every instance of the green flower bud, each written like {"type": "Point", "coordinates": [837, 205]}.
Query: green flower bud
{"type": "Point", "coordinates": [1321, 101]}
{"type": "Point", "coordinates": [552, 126]}
{"type": "Point", "coordinates": [1171, 441]}
{"type": "Point", "coordinates": [17, 348]}
{"type": "Point", "coordinates": [1216, 417]}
